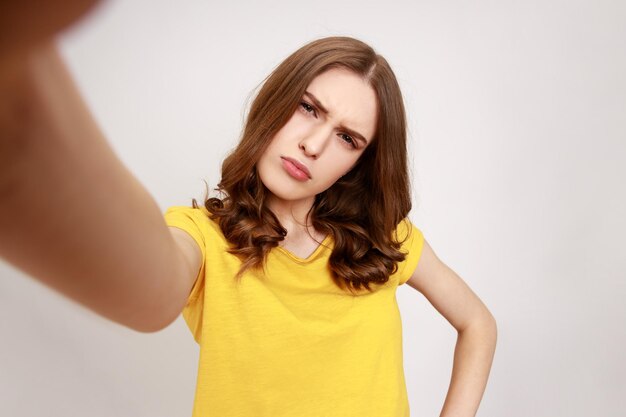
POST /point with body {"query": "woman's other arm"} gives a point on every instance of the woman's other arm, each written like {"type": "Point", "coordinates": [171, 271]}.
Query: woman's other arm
{"type": "Point", "coordinates": [476, 327]}
{"type": "Point", "coordinates": [71, 215]}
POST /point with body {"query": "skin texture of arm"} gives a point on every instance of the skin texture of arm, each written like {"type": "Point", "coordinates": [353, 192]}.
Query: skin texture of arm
{"type": "Point", "coordinates": [476, 327]}
{"type": "Point", "coordinates": [72, 216]}
{"type": "Point", "coordinates": [25, 24]}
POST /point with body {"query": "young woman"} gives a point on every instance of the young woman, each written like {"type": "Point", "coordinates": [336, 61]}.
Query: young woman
{"type": "Point", "coordinates": [288, 280]}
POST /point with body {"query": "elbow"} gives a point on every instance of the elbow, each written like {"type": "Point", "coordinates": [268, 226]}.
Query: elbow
{"type": "Point", "coordinates": [485, 325]}
{"type": "Point", "coordinates": [490, 329]}
{"type": "Point", "coordinates": [488, 320]}
{"type": "Point", "coordinates": [488, 323]}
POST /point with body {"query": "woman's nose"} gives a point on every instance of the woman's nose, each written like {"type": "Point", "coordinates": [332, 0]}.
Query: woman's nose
{"type": "Point", "coordinates": [314, 143]}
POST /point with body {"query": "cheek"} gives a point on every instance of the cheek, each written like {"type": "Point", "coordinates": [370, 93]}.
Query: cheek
{"type": "Point", "coordinates": [341, 161]}
{"type": "Point", "coordinates": [273, 146]}
{"type": "Point", "coordinates": [295, 126]}
{"type": "Point", "coordinates": [332, 175]}
{"type": "Point", "coordinates": [280, 137]}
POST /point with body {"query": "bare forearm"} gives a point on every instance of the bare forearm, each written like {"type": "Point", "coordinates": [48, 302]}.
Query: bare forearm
{"type": "Point", "coordinates": [473, 357]}
{"type": "Point", "coordinates": [71, 215]}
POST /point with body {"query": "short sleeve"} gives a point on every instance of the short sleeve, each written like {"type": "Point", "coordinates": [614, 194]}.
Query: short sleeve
{"type": "Point", "coordinates": [194, 222]}
{"type": "Point", "coordinates": [412, 246]}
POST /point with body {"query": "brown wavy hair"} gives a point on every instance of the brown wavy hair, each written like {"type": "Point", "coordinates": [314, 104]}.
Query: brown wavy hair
{"type": "Point", "coordinates": [361, 210]}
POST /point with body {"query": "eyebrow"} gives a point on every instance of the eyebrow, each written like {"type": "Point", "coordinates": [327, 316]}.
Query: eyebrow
{"type": "Point", "coordinates": [351, 132]}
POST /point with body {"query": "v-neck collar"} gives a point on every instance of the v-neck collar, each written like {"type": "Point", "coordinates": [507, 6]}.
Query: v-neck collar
{"type": "Point", "coordinates": [312, 256]}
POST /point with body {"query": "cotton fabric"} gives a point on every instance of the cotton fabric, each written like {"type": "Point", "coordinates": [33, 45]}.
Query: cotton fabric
{"type": "Point", "coordinates": [291, 343]}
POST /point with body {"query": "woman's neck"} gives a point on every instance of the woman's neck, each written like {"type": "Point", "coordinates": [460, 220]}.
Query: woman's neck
{"type": "Point", "coordinates": [294, 215]}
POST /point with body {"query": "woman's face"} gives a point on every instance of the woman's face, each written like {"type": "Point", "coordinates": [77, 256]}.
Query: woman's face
{"type": "Point", "coordinates": [333, 124]}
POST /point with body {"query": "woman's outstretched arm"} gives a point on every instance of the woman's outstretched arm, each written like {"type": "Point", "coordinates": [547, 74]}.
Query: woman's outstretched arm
{"type": "Point", "coordinates": [476, 327]}
{"type": "Point", "coordinates": [71, 215]}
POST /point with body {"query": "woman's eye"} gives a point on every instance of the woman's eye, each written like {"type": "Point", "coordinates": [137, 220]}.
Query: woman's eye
{"type": "Point", "coordinates": [307, 107]}
{"type": "Point", "coordinates": [348, 139]}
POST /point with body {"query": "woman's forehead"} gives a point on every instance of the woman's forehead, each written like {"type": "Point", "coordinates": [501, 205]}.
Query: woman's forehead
{"type": "Point", "coordinates": [347, 99]}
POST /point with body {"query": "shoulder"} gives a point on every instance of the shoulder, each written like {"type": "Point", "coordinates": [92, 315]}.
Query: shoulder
{"type": "Point", "coordinates": [407, 231]}
{"type": "Point", "coordinates": [412, 243]}
{"type": "Point", "coordinates": [195, 221]}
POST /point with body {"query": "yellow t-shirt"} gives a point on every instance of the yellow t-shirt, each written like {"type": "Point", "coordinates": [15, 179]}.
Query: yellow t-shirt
{"type": "Point", "coordinates": [292, 343]}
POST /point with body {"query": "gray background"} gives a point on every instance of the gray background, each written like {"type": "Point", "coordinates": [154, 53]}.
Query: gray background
{"type": "Point", "coordinates": [517, 137]}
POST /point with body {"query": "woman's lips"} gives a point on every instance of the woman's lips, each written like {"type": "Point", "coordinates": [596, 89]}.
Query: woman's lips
{"type": "Point", "coordinates": [296, 169]}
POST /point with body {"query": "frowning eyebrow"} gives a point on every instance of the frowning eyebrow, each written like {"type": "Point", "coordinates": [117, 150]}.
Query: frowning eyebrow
{"type": "Point", "coordinates": [319, 105]}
